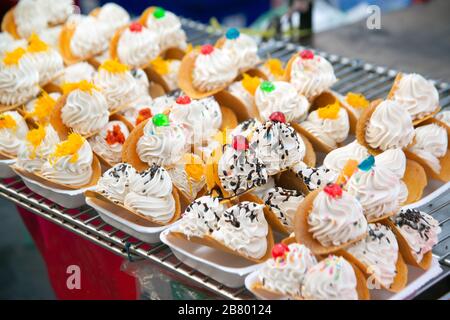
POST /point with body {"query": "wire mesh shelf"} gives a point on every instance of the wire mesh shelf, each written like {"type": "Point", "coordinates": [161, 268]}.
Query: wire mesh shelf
{"type": "Point", "coordinates": [354, 75]}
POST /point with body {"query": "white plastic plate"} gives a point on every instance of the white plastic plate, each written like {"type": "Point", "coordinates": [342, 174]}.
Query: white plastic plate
{"type": "Point", "coordinates": [223, 267]}
{"type": "Point", "coordinates": [5, 168]}
{"type": "Point", "coordinates": [145, 234]}
{"type": "Point", "coordinates": [417, 278]}
{"type": "Point", "coordinates": [65, 198]}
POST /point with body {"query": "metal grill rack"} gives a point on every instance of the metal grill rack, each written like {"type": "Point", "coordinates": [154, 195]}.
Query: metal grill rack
{"type": "Point", "coordinates": [354, 75]}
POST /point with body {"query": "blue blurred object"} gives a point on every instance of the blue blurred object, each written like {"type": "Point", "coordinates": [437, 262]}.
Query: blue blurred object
{"type": "Point", "coordinates": [244, 12]}
{"type": "Point", "coordinates": [384, 5]}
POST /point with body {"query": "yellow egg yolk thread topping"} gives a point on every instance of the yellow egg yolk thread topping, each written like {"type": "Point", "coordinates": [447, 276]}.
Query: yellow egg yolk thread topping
{"type": "Point", "coordinates": [250, 83]}
{"type": "Point", "coordinates": [35, 44]}
{"type": "Point", "coordinates": [7, 122]}
{"type": "Point", "coordinates": [330, 111]}
{"type": "Point", "coordinates": [194, 167]}
{"type": "Point", "coordinates": [42, 107]}
{"type": "Point", "coordinates": [357, 100]}
{"type": "Point", "coordinates": [349, 169]}
{"type": "Point", "coordinates": [275, 67]}
{"type": "Point", "coordinates": [13, 57]}
{"type": "Point", "coordinates": [83, 85]}
{"type": "Point", "coordinates": [161, 66]}
{"type": "Point", "coordinates": [35, 138]}
{"type": "Point", "coordinates": [114, 66]}
{"type": "Point", "coordinates": [69, 147]}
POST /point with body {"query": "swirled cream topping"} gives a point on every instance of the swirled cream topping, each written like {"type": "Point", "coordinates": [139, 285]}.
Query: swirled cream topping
{"type": "Point", "coordinates": [90, 37]}
{"type": "Point", "coordinates": [188, 176]}
{"type": "Point", "coordinates": [377, 189]}
{"type": "Point", "coordinates": [142, 85]}
{"type": "Point", "coordinates": [444, 116]}
{"type": "Point", "coordinates": [116, 83]}
{"type": "Point", "coordinates": [394, 160]}
{"type": "Point", "coordinates": [311, 75]}
{"type": "Point", "coordinates": [19, 79]}
{"type": "Point", "coordinates": [151, 195]}
{"type": "Point", "coordinates": [13, 130]}
{"type": "Point", "coordinates": [417, 95]}
{"type": "Point", "coordinates": [336, 219]}
{"type": "Point", "coordinates": [329, 124]}
{"type": "Point", "coordinates": [243, 228]}
{"type": "Point", "coordinates": [246, 128]}
{"type": "Point", "coordinates": [195, 118]}
{"type": "Point", "coordinates": [337, 158]}
{"type": "Point", "coordinates": [201, 217]}
{"type": "Point", "coordinates": [242, 50]}
{"type": "Point", "coordinates": [163, 145]}
{"type": "Point", "coordinates": [212, 69]}
{"type": "Point", "coordinates": [137, 46]}
{"type": "Point", "coordinates": [331, 279]}
{"type": "Point", "coordinates": [86, 109]}
{"type": "Point", "coordinates": [57, 11]}
{"type": "Point", "coordinates": [314, 178]}
{"type": "Point", "coordinates": [51, 36]}
{"type": "Point", "coordinates": [76, 73]}
{"type": "Point", "coordinates": [281, 96]}
{"type": "Point", "coordinates": [284, 204]}
{"type": "Point", "coordinates": [109, 141]}
{"type": "Point", "coordinates": [8, 43]}
{"type": "Point", "coordinates": [278, 146]}
{"type": "Point", "coordinates": [142, 110]}
{"type": "Point", "coordinates": [116, 182]}
{"type": "Point", "coordinates": [379, 253]}
{"type": "Point", "coordinates": [390, 126]}
{"type": "Point", "coordinates": [285, 274]}
{"type": "Point", "coordinates": [113, 16]}
{"type": "Point", "coordinates": [241, 170]}
{"type": "Point", "coordinates": [70, 163]}
{"type": "Point", "coordinates": [419, 229]}
{"type": "Point", "coordinates": [430, 144]}
{"type": "Point", "coordinates": [37, 147]}
{"type": "Point", "coordinates": [29, 16]}
{"type": "Point", "coordinates": [168, 28]}
{"type": "Point", "coordinates": [45, 59]}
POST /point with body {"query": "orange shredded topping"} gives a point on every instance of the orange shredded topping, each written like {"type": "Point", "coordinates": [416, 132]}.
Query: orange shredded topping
{"type": "Point", "coordinates": [7, 122]}
{"type": "Point", "coordinates": [349, 169]}
{"type": "Point", "coordinates": [250, 83]}
{"type": "Point", "coordinates": [356, 100]}
{"type": "Point", "coordinates": [194, 167]}
{"type": "Point", "coordinates": [35, 138]}
{"type": "Point", "coordinates": [42, 107]}
{"type": "Point", "coordinates": [35, 44]}
{"type": "Point", "coordinates": [83, 85]}
{"type": "Point", "coordinates": [143, 115]}
{"type": "Point", "coordinates": [115, 135]}
{"type": "Point", "coordinates": [330, 111]}
{"type": "Point", "coordinates": [114, 66]}
{"type": "Point", "coordinates": [275, 67]}
{"type": "Point", "coordinates": [69, 147]}
{"type": "Point", "coordinates": [161, 66]}
{"type": "Point", "coordinates": [13, 57]}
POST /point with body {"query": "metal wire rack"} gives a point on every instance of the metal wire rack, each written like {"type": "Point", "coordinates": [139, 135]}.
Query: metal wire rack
{"type": "Point", "coordinates": [354, 75]}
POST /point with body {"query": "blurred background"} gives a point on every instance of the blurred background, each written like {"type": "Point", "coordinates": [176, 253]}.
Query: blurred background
{"type": "Point", "coordinates": [412, 35]}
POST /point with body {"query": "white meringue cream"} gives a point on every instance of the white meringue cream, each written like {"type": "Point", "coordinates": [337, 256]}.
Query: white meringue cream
{"type": "Point", "coordinates": [137, 48]}
{"type": "Point", "coordinates": [116, 182]}
{"type": "Point", "coordinates": [90, 37]}
{"type": "Point", "coordinates": [243, 51]}
{"type": "Point", "coordinates": [337, 158]}
{"type": "Point", "coordinates": [13, 131]}
{"type": "Point", "coordinates": [111, 151]}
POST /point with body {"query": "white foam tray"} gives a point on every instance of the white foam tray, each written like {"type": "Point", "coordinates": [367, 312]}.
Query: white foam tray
{"type": "Point", "coordinates": [69, 199]}
{"type": "Point", "coordinates": [5, 168]}
{"type": "Point", "coordinates": [145, 234]}
{"type": "Point", "coordinates": [417, 278]}
{"type": "Point", "coordinates": [223, 267]}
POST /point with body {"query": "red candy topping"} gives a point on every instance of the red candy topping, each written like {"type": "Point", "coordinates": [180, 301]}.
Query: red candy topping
{"type": "Point", "coordinates": [279, 250]}
{"type": "Point", "coordinates": [277, 117]}
{"type": "Point", "coordinates": [143, 115]}
{"type": "Point", "coordinates": [333, 190]}
{"type": "Point", "coordinates": [306, 54]}
{"type": "Point", "coordinates": [240, 143]}
{"type": "Point", "coordinates": [115, 135]}
{"type": "Point", "coordinates": [135, 27]}
{"type": "Point", "coordinates": [207, 49]}
{"type": "Point", "coordinates": [183, 100]}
